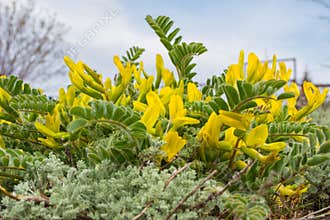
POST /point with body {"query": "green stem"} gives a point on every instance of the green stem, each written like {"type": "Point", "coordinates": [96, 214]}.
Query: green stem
{"type": "Point", "coordinates": [23, 139]}
{"type": "Point", "coordinates": [12, 176]}
{"type": "Point", "coordinates": [11, 168]}
{"type": "Point", "coordinates": [230, 165]}
{"type": "Point", "coordinates": [250, 99]}
{"type": "Point", "coordinates": [4, 191]}
{"type": "Point", "coordinates": [179, 73]}
{"type": "Point", "coordinates": [287, 135]}
{"type": "Point", "coordinates": [32, 111]}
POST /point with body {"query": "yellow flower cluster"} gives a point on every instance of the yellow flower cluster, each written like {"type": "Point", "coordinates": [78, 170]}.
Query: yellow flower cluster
{"type": "Point", "coordinates": [162, 98]}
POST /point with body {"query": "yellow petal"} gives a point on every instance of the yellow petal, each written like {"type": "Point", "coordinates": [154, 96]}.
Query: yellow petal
{"type": "Point", "coordinates": [181, 121]}
{"type": "Point", "coordinates": [174, 143]}
{"type": "Point", "coordinates": [193, 93]}
{"type": "Point", "coordinates": [314, 98]}
{"type": "Point", "coordinates": [145, 86]}
{"type": "Point", "coordinates": [150, 117]}
{"type": "Point", "coordinates": [208, 98]}
{"type": "Point", "coordinates": [240, 164]}
{"type": "Point", "coordinates": [257, 135]}
{"type": "Point", "coordinates": [168, 77]}
{"type": "Point", "coordinates": [285, 190]}
{"type": "Point", "coordinates": [233, 74]}
{"type": "Point", "coordinates": [118, 64]}
{"type": "Point", "coordinates": [165, 94]}
{"type": "Point", "coordinates": [154, 100]}
{"type": "Point", "coordinates": [44, 130]}
{"type": "Point", "coordinates": [70, 63]}
{"type": "Point", "coordinates": [275, 146]}
{"type": "Point", "coordinates": [159, 64]}
{"type": "Point", "coordinates": [176, 107]}
{"type": "Point", "coordinates": [180, 90]}
{"type": "Point", "coordinates": [293, 87]}
{"type": "Point", "coordinates": [139, 106]}
{"type": "Point", "coordinates": [209, 133]}
{"type": "Point", "coordinates": [284, 74]}
{"type": "Point", "coordinates": [4, 95]}
{"type": "Point", "coordinates": [253, 64]}
{"type": "Point", "coordinates": [50, 142]}
{"type": "Point", "coordinates": [234, 119]}
{"type": "Point", "coordinates": [241, 64]}
{"type": "Point", "coordinates": [230, 137]}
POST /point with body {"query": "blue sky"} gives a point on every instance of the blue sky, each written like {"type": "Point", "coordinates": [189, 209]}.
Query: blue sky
{"type": "Point", "coordinates": [289, 28]}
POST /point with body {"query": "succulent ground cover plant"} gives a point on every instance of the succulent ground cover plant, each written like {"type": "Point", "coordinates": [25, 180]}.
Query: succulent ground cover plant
{"type": "Point", "coordinates": [160, 146]}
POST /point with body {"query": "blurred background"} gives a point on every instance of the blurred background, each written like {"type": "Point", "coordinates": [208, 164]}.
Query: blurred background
{"type": "Point", "coordinates": [35, 35]}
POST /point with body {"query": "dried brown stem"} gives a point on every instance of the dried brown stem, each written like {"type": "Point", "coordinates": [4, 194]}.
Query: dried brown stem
{"type": "Point", "coordinates": [168, 181]}
{"type": "Point", "coordinates": [182, 201]}
{"type": "Point", "coordinates": [175, 174]}
{"type": "Point", "coordinates": [215, 194]}
{"type": "Point", "coordinates": [231, 161]}
{"type": "Point", "coordinates": [36, 199]}
{"type": "Point", "coordinates": [312, 214]}
{"type": "Point", "coordinates": [143, 211]}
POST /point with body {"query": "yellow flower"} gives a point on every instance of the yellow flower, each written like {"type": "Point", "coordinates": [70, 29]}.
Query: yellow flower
{"type": "Point", "coordinates": [167, 92]}
{"type": "Point", "coordinates": [313, 95]}
{"type": "Point", "coordinates": [230, 137]}
{"type": "Point", "coordinates": [4, 96]}
{"type": "Point", "coordinates": [139, 106]}
{"type": "Point", "coordinates": [176, 107]}
{"type": "Point", "coordinates": [123, 100]}
{"type": "Point", "coordinates": [150, 117]}
{"type": "Point", "coordinates": [275, 146]}
{"type": "Point", "coordinates": [256, 71]}
{"type": "Point", "coordinates": [292, 101]}
{"type": "Point", "coordinates": [240, 164]}
{"type": "Point", "coordinates": [208, 98]}
{"type": "Point", "coordinates": [154, 100]}
{"type": "Point", "coordinates": [163, 73]}
{"type": "Point", "coordinates": [68, 98]}
{"type": "Point", "coordinates": [145, 86]}
{"type": "Point", "coordinates": [174, 143]}
{"type": "Point", "coordinates": [209, 133]}
{"type": "Point", "coordinates": [168, 77]}
{"type": "Point", "coordinates": [81, 100]}
{"type": "Point", "coordinates": [257, 135]}
{"type": "Point", "coordinates": [293, 87]}
{"type": "Point", "coordinates": [52, 125]}
{"type": "Point", "coordinates": [193, 93]}
{"type": "Point", "coordinates": [291, 190]}
{"type": "Point", "coordinates": [241, 64]}
{"type": "Point", "coordinates": [177, 113]}
{"type": "Point", "coordinates": [236, 71]}
{"type": "Point", "coordinates": [236, 120]}
{"type": "Point", "coordinates": [314, 98]}
{"type": "Point", "coordinates": [270, 73]}
{"type": "Point", "coordinates": [284, 73]}
{"type": "Point", "coordinates": [137, 73]}
{"type": "Point", "coordinates": [253, 153]}
{"type": "Point", "coordinates": [233, 74]}
{"type": "Point", "coordinates": [271, 107]}
{"type": "Point", "coordinates": [49, 141]}
{"type": "Point", "coordinates": [253, 75]}
{"type": "Point", "coordinates": [154, 109]}
{"type": "Point", "coordinates": [159, 69]}
{"type": "Point", "coordinates": [125, 72]}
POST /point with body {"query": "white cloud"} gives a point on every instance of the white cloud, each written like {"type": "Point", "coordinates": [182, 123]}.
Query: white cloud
{"type": "Point", "coordinates": [287, 28]}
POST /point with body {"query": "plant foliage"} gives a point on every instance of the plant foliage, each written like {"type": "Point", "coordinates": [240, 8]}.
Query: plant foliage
{"type": "Point", "coordinates": [112, 145]}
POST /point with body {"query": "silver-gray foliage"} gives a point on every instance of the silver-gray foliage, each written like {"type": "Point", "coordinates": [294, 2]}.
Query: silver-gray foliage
{"type": "Point", "coordinates": [108, 191]}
